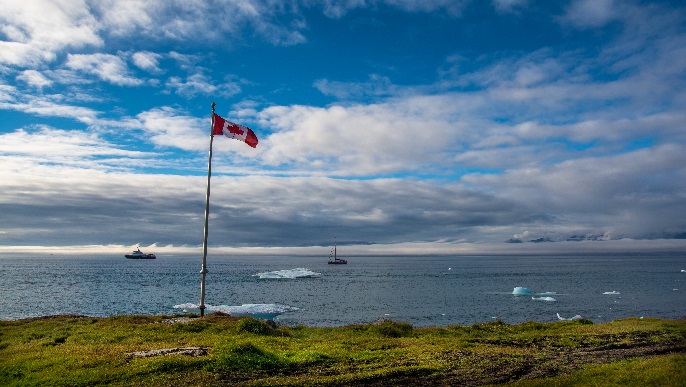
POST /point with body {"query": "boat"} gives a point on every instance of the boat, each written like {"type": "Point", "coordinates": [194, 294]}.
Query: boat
{"type": "Point", "coordinates": [138, 254]}
{"type": "Point", "coordinates": [336, 260]}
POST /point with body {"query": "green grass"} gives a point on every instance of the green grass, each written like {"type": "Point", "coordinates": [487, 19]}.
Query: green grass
{"type": "Point", "coordinates": [85, 351]}
{"type": "Point", "coordinates": [660, 371]}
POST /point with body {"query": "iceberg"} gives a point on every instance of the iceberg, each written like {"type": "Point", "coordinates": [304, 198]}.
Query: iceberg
{"type": "Point", "coordinates": [577, 317]}
{"type": "Point", "coordinates": [612, 292]}
{"type": "Point", "coordinates": [547, 299]}
{"type": "Point", "coordinates": [263, 311]}
{"type": "Point", "coordinates": [186, 307]}
{"type": "Point", "coordinates": [520, 291]}
{"type": "Point", "coordinates": [299, 272]}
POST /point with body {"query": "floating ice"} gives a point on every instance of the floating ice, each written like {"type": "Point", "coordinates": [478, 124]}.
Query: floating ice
{"type": "Point", "coordinates": [300, 272]}
{"type": "Point", "coordinates": [520, 291]}
{"type": "Point", "coordinates": [264, 311]}
{"type": "Point", "coordinates": [185, 307]}
{"type": "Point", "coordinates": [547, 299]}
{"type": "Point", "coordinates": [577, 317]}
{"type": "Point", "coordinates": [612, 292]}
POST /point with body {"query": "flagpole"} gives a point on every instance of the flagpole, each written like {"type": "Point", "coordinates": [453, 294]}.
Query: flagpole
{"type": "Point", "coordinates": [203, 271]}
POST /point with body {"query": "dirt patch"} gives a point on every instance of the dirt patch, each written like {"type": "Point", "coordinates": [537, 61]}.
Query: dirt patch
{"type": "Point", "coordinates": [180, 320]}
{"type": "Point", "coordinates": [478, 368]}
{"type": "Point", "coordinates": [188, 351]}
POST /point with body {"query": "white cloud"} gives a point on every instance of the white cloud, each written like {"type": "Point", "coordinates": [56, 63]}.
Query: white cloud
{"type": "Point", "coordinates": [338, 8]}
{"type": "Point", "coordinates": [107, 67]}
{"type": "Point", "coordinates": [632, 193]}
{"type": "Point", "coordinates": [7, 93]}
{"type": "Point", "coordinates": [166, 127]}
{"type": "Point", "coordinates": [48, 105]}
{"type": "Point", "coordinates": [200, 84]}
{"type": "Point", "coordinates": [591, 196]}
{"type": "Point", "coordinates": [592, 13]}
{"type": "Point", "coordinates": [377, 86]}
{"type": "Point", "coordinates": [146, 60]}
{"type": "Point", "coordinates": [38, 29]}
{"type": "Point", "coordinates": [34, 78]}
{"type": "Point", "coordinates": [52, 149]}
{"type": "Point", "coordinates": [358, 140]}
{"type": "Point", "coordinates": [23, 55]}
{"type": "Point", "coordinates": [183, 20]}
{"type": "Point", "coordinates": [186, 62]}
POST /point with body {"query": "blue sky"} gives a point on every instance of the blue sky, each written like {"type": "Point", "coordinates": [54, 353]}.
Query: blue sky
{"type": "Point", "coordinates": [392, 126]}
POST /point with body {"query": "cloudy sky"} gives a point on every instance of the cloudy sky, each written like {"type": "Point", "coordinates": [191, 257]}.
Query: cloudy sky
{"type": "Point", "coordinates": [436, 125]}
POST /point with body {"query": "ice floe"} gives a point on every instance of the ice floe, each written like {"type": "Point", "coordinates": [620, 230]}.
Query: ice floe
{"type": "Point", "coordinates": [612, 292]}
{"type": "Point", "coordinates": [264, 311]}
{"type": "Point", "coordinates": [520, 291]}
{"type": "Point", "coordinates": [547, 299]}
{"type": "Point", "coordinates": [296, 273]}
{"type": "Point", "coordinates": [186, 307]}
{"type": "Point", "coordinates": [577, 317]}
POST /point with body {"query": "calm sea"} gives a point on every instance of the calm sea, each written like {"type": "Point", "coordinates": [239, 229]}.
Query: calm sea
{"type": "Point", "coordinates": [424, 291]}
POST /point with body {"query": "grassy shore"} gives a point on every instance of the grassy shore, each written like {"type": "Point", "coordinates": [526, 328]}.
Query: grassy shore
{"type": "Point", "coordinates": [222, 350]}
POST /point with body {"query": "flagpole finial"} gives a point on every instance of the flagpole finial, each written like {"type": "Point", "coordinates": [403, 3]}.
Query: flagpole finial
{"type": "Point", "coordinates": [213, 105]}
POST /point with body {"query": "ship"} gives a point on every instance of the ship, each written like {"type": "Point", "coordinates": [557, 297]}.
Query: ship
{"type": "Point", "coordinates": [336, 260]}
{"type": "Point", "coordinates": [138, 254]}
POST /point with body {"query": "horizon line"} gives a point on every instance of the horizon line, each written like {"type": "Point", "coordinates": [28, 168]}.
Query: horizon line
{"type": "Point", "coordinates": [416, 248]}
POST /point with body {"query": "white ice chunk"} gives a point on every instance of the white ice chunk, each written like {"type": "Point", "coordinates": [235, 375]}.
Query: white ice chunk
{"type": "Point", "coordinates": [299, 272]}
{"type": "Point", "coordinates": [547, 299]}
{"type": "Point", "coordinates": [186, 306]}
{"type": "Point", "coordinates": [265, 311]}
{"type": "Point", "coordinates": [520, 291]}
{"type": "Point", "coordinates": [612, 292]}
{"type": "Point", "coordinates": [577, 317]}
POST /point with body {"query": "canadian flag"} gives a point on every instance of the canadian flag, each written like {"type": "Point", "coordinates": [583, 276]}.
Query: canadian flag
{"type": "Point", "coordinates": [235, 131]}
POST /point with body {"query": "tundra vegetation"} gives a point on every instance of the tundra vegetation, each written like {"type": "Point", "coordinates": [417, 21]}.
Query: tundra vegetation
{"type": "Point", "coordinates": [224, 350]}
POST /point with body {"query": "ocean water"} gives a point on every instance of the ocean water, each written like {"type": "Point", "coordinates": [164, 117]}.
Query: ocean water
{"type": "Point", "coordinates": [421, 290]}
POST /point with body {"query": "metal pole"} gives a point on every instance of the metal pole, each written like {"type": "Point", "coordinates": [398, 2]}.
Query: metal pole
{"type": "Point", "coordinates": [203, 271]}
